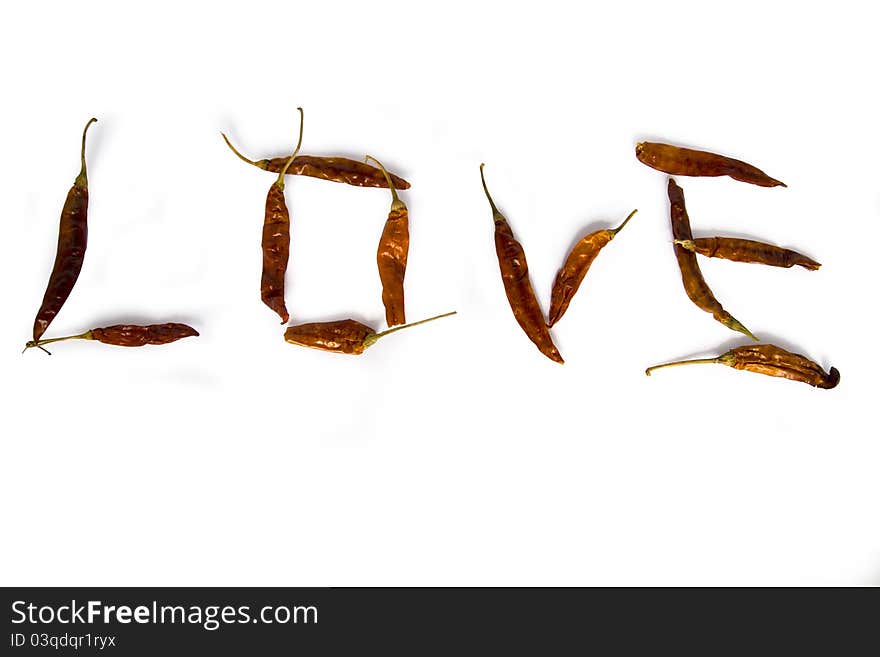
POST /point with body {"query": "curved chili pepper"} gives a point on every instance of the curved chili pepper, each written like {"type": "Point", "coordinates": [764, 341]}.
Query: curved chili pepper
{"type": "Point", "coordinates": [691, 276]}
{"type": "Point", "coordinates": [515, 276]}
{"type": "Point", "coordinates": [576, 266]}
{"type": "Point", "coordinates": [391, 255]}
{"type": "Point", "coordinates": [73, 234]}
{"type": "Point", "coordinates": [127, 335]}
{"type": "Point", "coordinates": [336, 169]}
{"type": "Point", "coordinates": [743, 250]}
{"type": "Point", "coordinates": [345, 336]}
{"type": "Point", "coordinates": [276, 241]}
{"type": "Point", "coordinates": [770, 360]}
{"type": "Point", "coordinates": [679, 161]}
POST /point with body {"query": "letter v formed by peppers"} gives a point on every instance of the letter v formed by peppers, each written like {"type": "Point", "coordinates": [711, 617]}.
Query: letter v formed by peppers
{"type": "Point", "coordinates": [515, 276]}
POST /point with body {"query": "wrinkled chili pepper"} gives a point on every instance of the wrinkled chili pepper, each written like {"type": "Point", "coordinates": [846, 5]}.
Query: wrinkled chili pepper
{"type": "Point", "coordinates": [345, 336]}
{"type": "Point", "coordinates": [770, 360]}
{"type": "Point", "coordinates": [276, 240]}
{"type": "Point", "coordinates": [743, 250]}
{"type": "Point", "coordinates": [515, 276]}
{"type": "Point", "coordinates": [576, 266]}
{"type": "Point", "coordinates": [691, 276]}
{"type": "Point", "coordinates": [73, 233]}
{"type": "Point", "coordinates": [127, 335]}
{"type": "Point", "coordinates": [391, 255]}
{"type": "Point", "coordinates": [336, 169]}
{"type": "Point", "coordinates": [679, 161]}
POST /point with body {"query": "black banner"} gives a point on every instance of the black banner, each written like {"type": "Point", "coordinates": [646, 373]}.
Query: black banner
{"type": "Point", "coordinates": [241, 621]}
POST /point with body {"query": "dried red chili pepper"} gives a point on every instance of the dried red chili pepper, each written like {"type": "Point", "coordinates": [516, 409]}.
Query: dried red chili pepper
{"type": "Point", "coordinates": [391, 255]}
{"type": "Point", "coordinates": [73, 233]}
{"type": "Point", "coordinates": [770, 360]}
{"type": "Point", "coordinates": [679, 161]}
{"type": "Point", "coordinates": [515, 276]}
{"type": "Point", "coordinates": [336, 169]}
{"type": "Point", "coordinates": [345, 336]}
{"type": "Point", "coordinates": [276, 240]}
{"type": "Point", "coordinates": [743, 250]}
{"type": "Point", "coordinates": [127, 335]}
{"type": "Point", "coordinates": [691, 276]}
{"type": "Point", "coordinates": [576, 266]}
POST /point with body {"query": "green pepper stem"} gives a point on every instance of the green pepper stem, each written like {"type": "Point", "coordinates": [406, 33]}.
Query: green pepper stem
{"type": "Point", "coordinates": [489, 196]}
{"type": "Point", "coordinates": [734, 324]}
{"type": "Point", "coordinates": [396, 203]}
{"type": "Point", "coordinates": [235, 150]}
{"type": "Point", "coordinates": [614, 231]}
{"type": "Point", "coordinates": [683, 362]}
{"type": "Point", "coordinates": [82, 179]}
{"type": "Point", "coordinates": [371, 339]}
{"type": "Point", "coordinates": [39, 343]}
{"type": "Point", "coordinates": [280, 181]}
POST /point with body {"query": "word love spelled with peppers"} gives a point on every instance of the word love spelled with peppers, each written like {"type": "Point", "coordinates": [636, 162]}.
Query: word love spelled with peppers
{"type": "Point", "coordinates": [349, 336]}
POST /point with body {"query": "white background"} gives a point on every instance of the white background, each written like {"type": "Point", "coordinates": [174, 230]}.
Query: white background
{"type": "Point", "coordinates": [453, 453]}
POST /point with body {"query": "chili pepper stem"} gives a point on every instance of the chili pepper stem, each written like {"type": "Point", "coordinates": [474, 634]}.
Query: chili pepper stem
{"type": "Point", "coordinates": [734, 323]}
{"type": "Point", "coordinates": [614, 231]}
{"type": "Point", "coordinates": [396, 203]}
{"type": "Point", "coordinates": [686, 244]}
{"type": "Point", "coordinates": [695, 361]}
{"type": "Point", "coordinates": [82, 179]}
{"type": "Point", "coordinates": [280, 181]}
{"type": "Point", "coordinates": [235, 150]}
{"type": "Point", "coordinates": [39, 343]}
{"type": "Point", "coordinates": [371, 339]}
{"type": "Point", "coordinates": [489, 196]}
